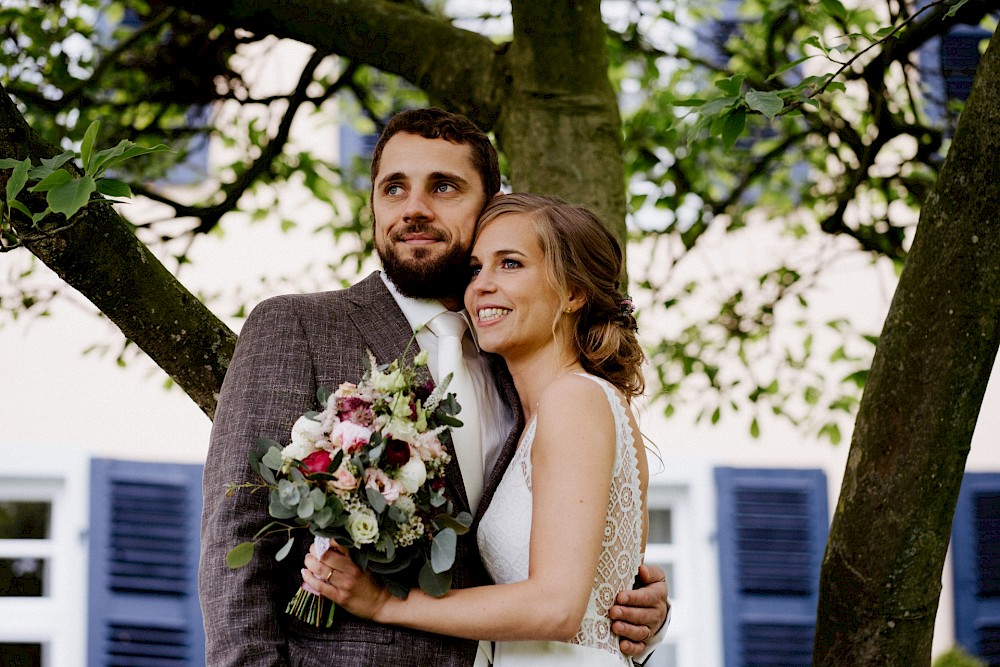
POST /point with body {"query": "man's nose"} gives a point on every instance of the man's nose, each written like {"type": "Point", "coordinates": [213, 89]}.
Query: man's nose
{"type": "Point", "coordinates": [417, 206]}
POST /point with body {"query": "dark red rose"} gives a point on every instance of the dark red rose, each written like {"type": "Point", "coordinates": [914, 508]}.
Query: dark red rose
{"type": "Point", "coordinates": [317, 461]}
{"type": "Point", "coordinates": [397, 452]}
{"type": "Point", "coordinates": [437, 484]}
{"type": "Point", "coordinates": [423, 391]}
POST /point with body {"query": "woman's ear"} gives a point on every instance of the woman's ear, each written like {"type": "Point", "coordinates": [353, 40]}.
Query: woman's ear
{"type": "Point", "coordinates": [575, 300]}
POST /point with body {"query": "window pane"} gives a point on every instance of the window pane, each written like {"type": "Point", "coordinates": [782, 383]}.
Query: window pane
{"type": "Point", "coordinates": [21, 577]}
{"type": "Point", "coordinates": [21, 520]}
{"type": "Point", "coordinates": [21, 655]}
{"type": "Point", "coordinates": [661, 529]}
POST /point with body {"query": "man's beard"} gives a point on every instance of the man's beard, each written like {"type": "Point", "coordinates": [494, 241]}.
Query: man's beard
{"type": "Point", "coordinates": [424, 277]}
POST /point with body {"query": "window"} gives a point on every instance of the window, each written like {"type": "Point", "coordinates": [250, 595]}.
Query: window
{"type": "Point", "coordinates": [43, 577]}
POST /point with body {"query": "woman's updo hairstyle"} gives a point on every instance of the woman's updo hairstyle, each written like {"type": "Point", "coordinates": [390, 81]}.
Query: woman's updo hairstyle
{"type": "Point", "coordinates": [583, 257]}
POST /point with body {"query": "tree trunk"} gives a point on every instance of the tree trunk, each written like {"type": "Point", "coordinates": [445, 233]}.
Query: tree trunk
{"type": "Point", "coordinates": [559, 124]}
{"type": "Point", "coordinates": [101, 257]}
{"type": "Point", "coordinates": [881, 576]}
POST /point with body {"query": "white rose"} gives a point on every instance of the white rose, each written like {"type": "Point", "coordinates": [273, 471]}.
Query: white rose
{"type": "Point", "coordinates": [362, 524]}
{"type": "Point", "coordinates": [412, 474]}
{"type": "Point", "coordinates": [305, 434]}
{"type": "Point", "coordinates": [420, 359]}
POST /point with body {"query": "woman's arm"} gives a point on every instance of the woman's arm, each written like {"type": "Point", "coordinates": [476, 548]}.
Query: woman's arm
{"type": "Point", "coordinates": [572, 461]}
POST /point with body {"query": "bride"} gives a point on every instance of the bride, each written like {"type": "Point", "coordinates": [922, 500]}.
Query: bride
{"type": "Point", "coordinates": [566, 529]}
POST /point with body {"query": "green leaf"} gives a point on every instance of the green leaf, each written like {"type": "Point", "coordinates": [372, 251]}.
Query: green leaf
{"type": "Point", "coordinates": [434, 583]}
{"type": "Point", "coordinates": [460, 524]}
{"type": "Point", "coordinates": [18, 206]}
{"type": "Point", "coordinates": [278, 509]}
{"type": "Point", "coordinates": [754, 429]}
{"type": "Point", "coordinates": [125, 150]}
{"type": "Point", "coordinates": [111, 187]}
{"type": "Point", "coordinates": [376, 500]}
{"type": "Point", "coordinates": [17, 179]}
{"type": "Point", "coordinates": [732, 127]}
{"type": "Point", "coordinates": [72, 196]}
{"type": "Point", "coordinates": [50, 164]}
{"type": "Point", "coordinates": [59, 177]}
{"type": "Point", "coordinates": [443, 550]}
{"type": "Point", "coordinates": [87, 147]}
{"type": "Point", "coordinates": [272, 458]}
{"type": "Point", "coordinates": [240, 555]}
{"type": "Point", "coordinates": [731, 86]}
{"type": "Point", "coordinates": [283, 551]}
{"type": "Point", "coordinates": [954, 9]}
{"type": "Point", "coordinates": [766, 103]}
{"type": "Point", "coordinates": [10, 163]}
{"type": "Point", "coordinates": [834, 8]}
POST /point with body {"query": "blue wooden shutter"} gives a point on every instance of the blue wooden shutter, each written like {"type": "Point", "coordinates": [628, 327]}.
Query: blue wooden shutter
{"type": "Point", "coordinates": [772, 532]}
{"type": "Point", "coordinates": [975, 543]}
{"type": "Point", "coordinates": [144, 537]}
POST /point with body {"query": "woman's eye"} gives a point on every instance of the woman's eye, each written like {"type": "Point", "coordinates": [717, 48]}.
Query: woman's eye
{"type": "Point", "coordinates": [474, 271]}
{"type": "Point", "coordinates": [510, 263]}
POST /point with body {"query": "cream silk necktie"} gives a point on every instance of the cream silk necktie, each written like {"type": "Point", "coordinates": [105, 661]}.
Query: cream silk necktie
{"type": "Point", "coordinates": [450, 329]}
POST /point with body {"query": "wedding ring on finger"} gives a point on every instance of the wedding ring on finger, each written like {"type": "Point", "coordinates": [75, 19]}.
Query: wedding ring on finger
{"type": "Point", "coordinates": [326, 579]}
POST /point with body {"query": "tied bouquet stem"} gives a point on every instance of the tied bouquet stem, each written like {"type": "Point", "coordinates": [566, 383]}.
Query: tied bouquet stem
{"type": "Point", "coordinates": [365, 471]}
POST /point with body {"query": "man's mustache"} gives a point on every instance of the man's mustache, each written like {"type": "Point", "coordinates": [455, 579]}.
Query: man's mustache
{"type": "Point", "coordinates": [421, 228]}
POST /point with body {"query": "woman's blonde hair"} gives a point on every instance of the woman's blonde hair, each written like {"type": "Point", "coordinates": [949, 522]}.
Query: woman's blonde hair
{"type": "Point", "coordinates": [582, 256]}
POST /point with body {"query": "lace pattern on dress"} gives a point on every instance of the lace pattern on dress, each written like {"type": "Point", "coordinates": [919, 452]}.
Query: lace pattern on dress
{"type": "Point", "coordinates": [505, 528]}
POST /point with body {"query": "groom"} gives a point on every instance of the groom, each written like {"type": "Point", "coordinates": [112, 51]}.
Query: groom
{"type": "Point", "coordinates": [432, 173]}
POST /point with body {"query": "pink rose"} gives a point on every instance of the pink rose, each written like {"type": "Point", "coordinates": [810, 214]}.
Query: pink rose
{"type": "Point", "coordinates": [376, 479]}
{"type": "Point", "coordinates": [344, 480]}
{"type": "Point", "coordinates": [317, 461]}
{"type": "Point", "coordinates": [349, 436]}
{"type": "Point", "coordinates": [428, 447]}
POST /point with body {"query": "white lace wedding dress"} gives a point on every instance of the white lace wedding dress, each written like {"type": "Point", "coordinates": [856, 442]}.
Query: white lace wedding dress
{"type": "Point", "coordinates": [503, 543]}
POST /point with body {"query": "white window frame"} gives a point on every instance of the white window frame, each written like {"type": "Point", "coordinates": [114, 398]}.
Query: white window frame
{"type": "Point", "coordinates": [687, 489]}
{"type": "Point", "coordinates": [57, 620]}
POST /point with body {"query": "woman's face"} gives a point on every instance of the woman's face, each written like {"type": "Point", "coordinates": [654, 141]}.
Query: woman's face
{"type": "Point", "coordinates": [510, 299]}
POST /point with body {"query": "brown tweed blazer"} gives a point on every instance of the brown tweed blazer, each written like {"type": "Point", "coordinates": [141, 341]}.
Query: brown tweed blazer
{"type": "Point", "coordinates": [289, 346]}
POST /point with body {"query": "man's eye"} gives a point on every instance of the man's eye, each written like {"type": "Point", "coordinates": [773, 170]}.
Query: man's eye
{"type": "Point", "coordinates": [394, 190]}
{"type": "Point", "coordinates": [444, 187]}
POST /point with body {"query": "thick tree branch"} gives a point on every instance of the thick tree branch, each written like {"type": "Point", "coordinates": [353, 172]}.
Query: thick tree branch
{"type": "Point", "coordinates": [455, 67]}
{"type": "Point", "coordinates": [99, 256]}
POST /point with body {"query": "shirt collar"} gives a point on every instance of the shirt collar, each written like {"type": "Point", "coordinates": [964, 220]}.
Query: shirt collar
{"type": "Point", "coordinates": [418, 312]}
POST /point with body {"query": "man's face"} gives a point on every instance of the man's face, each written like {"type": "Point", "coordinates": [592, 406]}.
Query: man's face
{"type": "Point", "coordinates": [426, 198]}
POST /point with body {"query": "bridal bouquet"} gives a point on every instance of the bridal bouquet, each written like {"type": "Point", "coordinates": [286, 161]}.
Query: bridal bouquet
{"type": "Point", "coordinates": [366, 471]}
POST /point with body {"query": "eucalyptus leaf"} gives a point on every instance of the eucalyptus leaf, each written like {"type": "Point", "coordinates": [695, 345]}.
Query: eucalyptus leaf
{"type": "Point", "coordinates": [443, 550]}
{"type": "Point", "coordinates": [434, 583]}
{"type": "Point", "coordinates": [72, 196]}
{"type": "Point", "coordinates": [272, 458]}
{"type": "Point", "coordinates": [283, 551]}
{"type": "Point", "coordinates": [459, 524]}
{"type": "Point", "coordinates": [376, 500]}
{"type": "Point", "coordinates": [239, 555]}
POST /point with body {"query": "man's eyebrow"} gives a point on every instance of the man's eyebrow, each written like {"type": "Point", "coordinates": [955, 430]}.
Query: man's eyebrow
{"type": "Point", "coordinates": [447, 176]}
{"type": "Point", "coordinates": [394, 176]}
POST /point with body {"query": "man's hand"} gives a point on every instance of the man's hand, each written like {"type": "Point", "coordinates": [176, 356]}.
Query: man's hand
{"type": "Point", "coordinates": [640, 613]}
